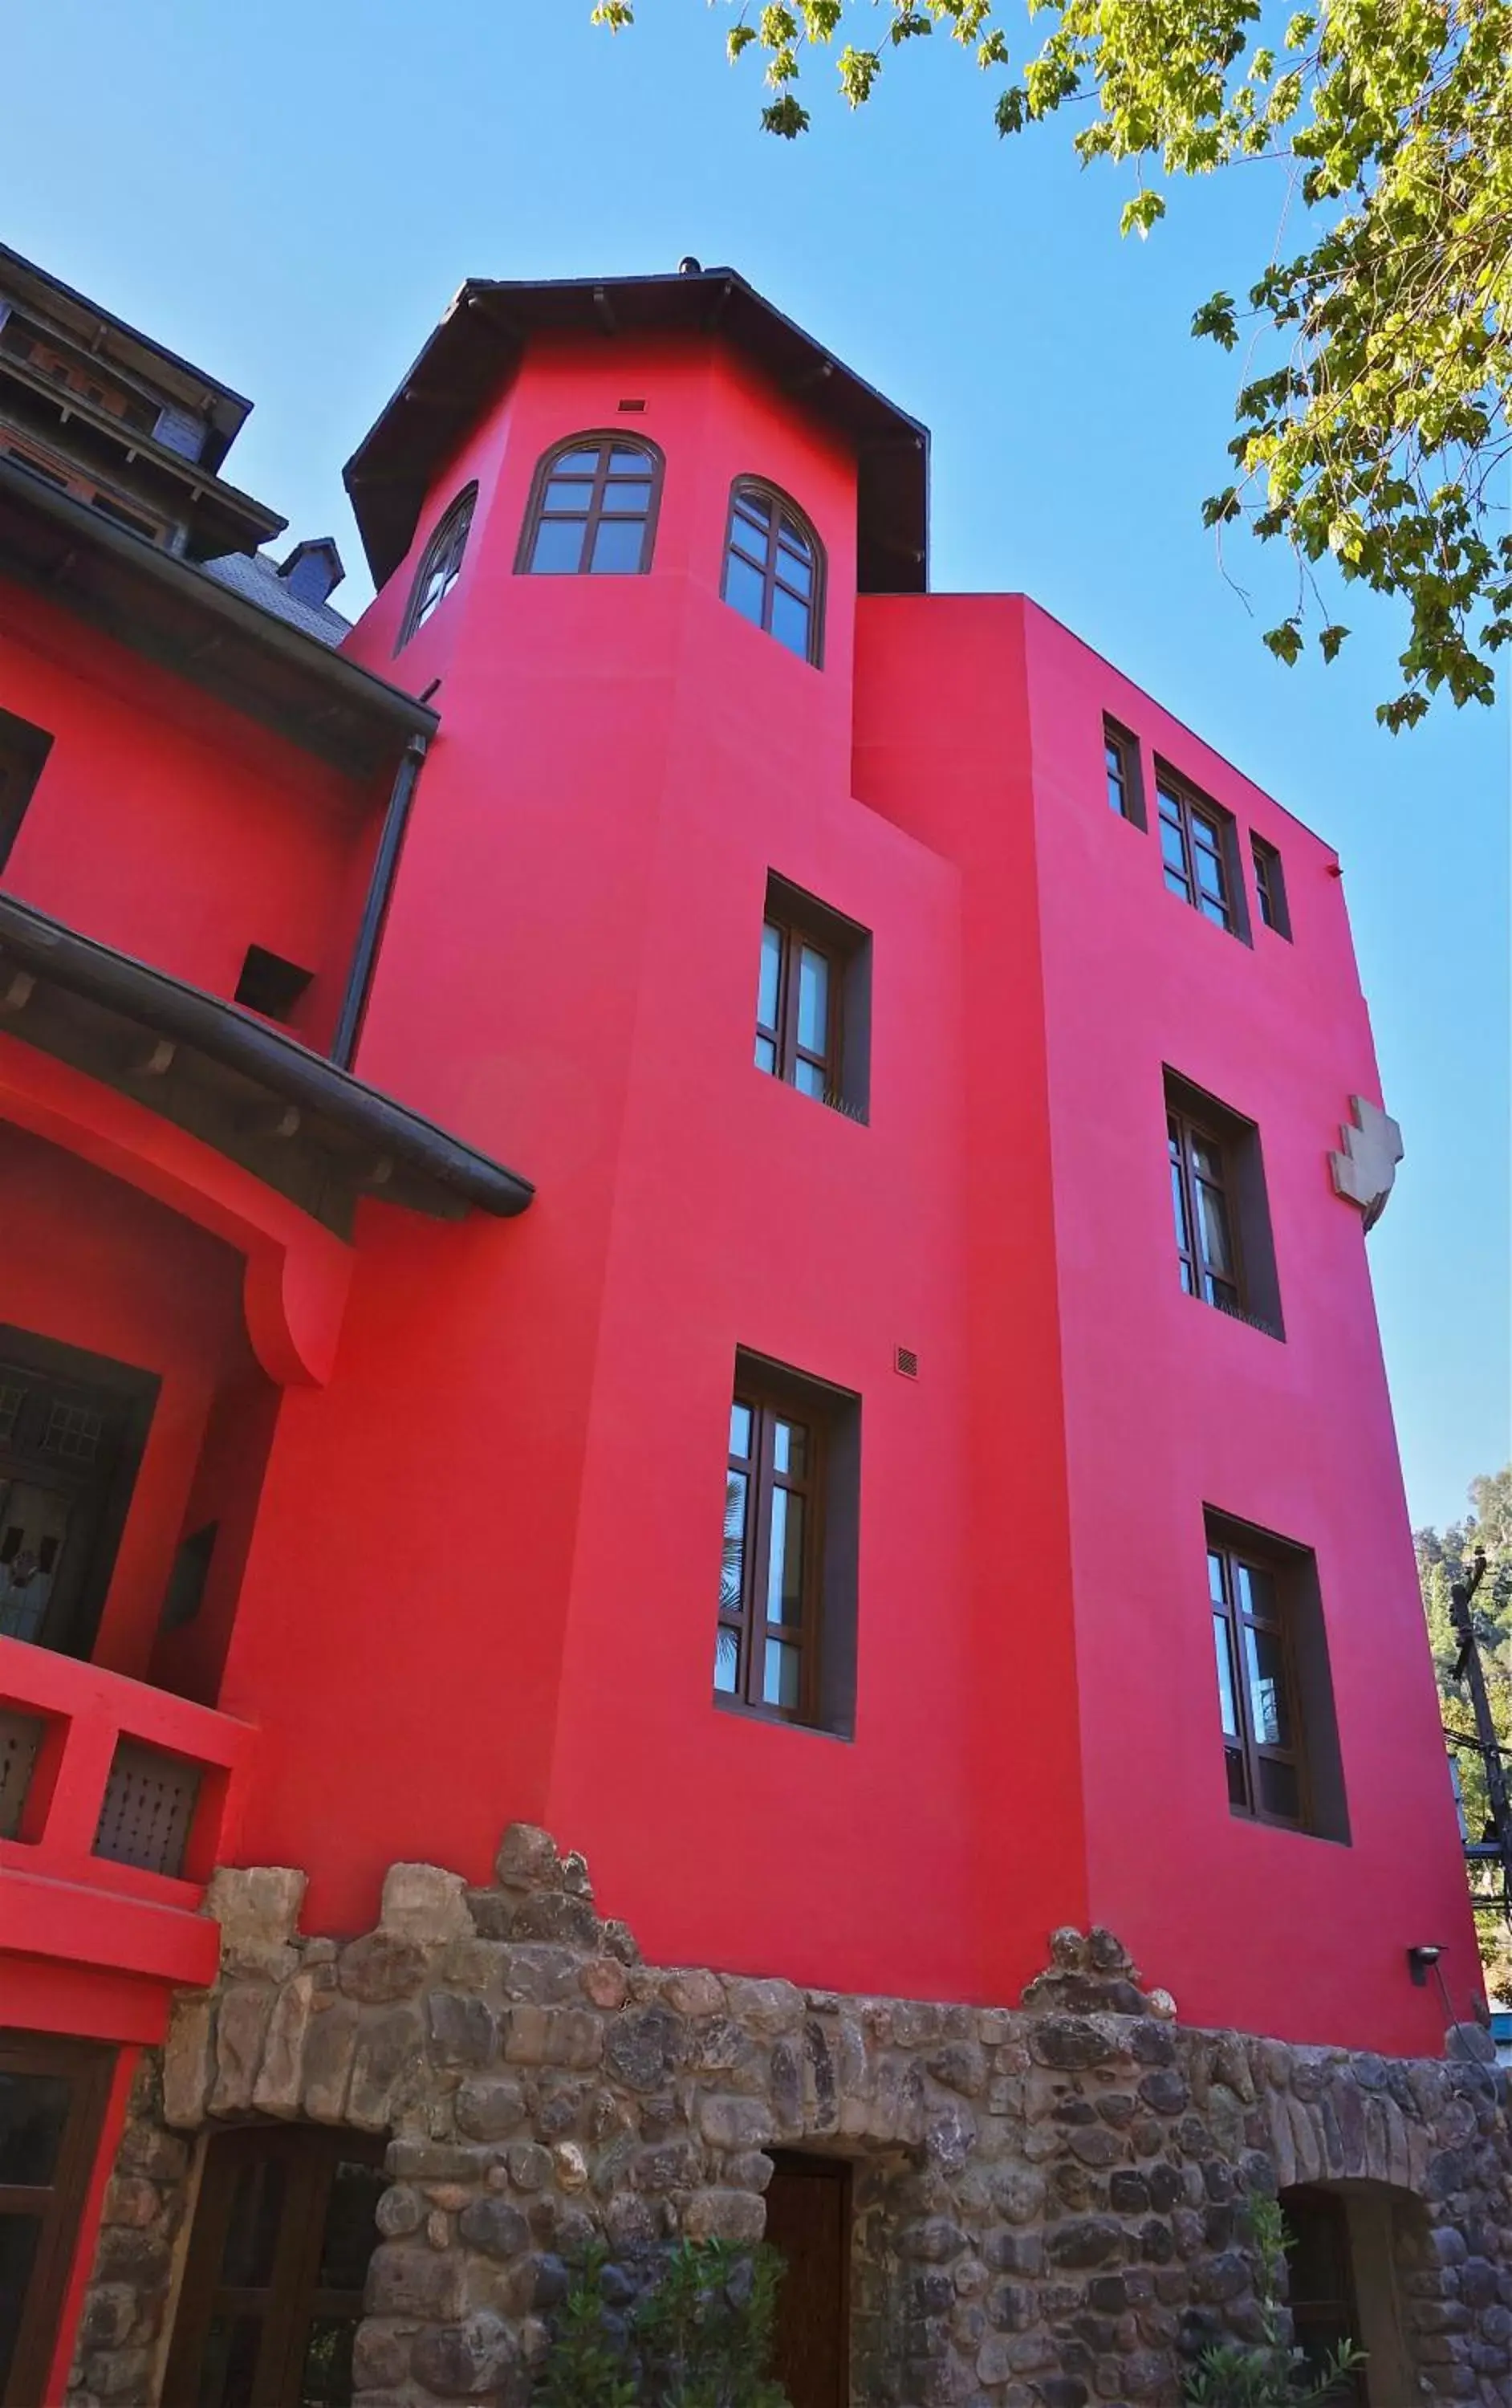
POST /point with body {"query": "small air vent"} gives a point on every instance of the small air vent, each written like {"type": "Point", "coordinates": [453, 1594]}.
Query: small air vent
{"type": "Point", "coordinates": [269, 986]}
{"type": "Point", "coordinates": [905, 1361]}
{"type": "Point", "coordinates": [631, 404]}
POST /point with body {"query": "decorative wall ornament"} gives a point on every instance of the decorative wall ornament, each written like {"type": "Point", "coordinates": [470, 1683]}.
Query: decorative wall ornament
{"type": "Point", "coordinates": [1365, 1171]}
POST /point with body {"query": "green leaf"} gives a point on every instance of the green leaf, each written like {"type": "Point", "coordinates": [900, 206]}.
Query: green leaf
{"type": "Point", "coordinates": [1329, 640]}
{"type": "Point", "coordinates": [1285, 641]}
{"type": "Point", "coordinates": [1144, 210]}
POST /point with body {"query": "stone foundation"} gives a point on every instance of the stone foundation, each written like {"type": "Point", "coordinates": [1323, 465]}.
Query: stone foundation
{"type": "Point", "coordinates": [1047, 2199]}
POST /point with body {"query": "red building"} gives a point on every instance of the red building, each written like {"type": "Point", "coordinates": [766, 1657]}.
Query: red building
{"type": "Point", "coordinates": [666, 1000]}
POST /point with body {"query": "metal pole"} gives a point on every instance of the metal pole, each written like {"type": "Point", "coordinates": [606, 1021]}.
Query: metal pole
{"type": "Point", "coordinates": [1470, 1669]}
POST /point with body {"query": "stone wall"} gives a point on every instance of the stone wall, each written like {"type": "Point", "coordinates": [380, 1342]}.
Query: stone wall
{"type": "Point", "coordinates": [1047, 2199]}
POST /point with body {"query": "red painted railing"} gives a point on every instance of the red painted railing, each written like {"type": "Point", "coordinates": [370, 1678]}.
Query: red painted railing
{"type": "Point", "coordinates": [116, 1800]}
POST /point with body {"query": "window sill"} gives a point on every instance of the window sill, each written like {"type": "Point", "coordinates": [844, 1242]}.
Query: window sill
{"type": "Point", "coordinates": [1293, 1831]}
{"type": "Point", "coordinates": [834, 1105]}
{"type": "Point", "coordinates": [1245, 1320]}
{"type": "Point", "coordinates": [740, 1711]}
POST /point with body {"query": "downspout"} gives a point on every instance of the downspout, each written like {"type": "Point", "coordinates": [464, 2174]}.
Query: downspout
{"type": "Point", "coordinates": [376, 909]}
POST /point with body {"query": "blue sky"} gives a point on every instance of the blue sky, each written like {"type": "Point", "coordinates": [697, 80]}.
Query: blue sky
{"type": "Point", "coordinates": [289, 194]}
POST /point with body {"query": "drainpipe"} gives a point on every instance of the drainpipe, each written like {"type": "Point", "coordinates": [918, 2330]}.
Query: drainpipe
{"type": "Point", "coordinates": [376, 909]}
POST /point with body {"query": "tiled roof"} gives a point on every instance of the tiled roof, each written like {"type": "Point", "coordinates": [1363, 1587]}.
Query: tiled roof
{"type": "Point", "coordinates": [255, 577]}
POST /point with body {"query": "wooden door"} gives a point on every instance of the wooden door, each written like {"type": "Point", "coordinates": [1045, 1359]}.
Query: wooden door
{"type": "Point", "coordinates": [277, 2261]}
{"type": "Point", "coordinates": [809, 2222]}
{"type": "Point", "coordinates": [52, 2095]}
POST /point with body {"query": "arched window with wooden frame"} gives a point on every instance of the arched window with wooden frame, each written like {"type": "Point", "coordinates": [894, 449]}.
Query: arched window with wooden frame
{"type": "Point", "coordinates": [593, 509]}
{"type": "Point", "coordinates": [773, 568]}
{"type": "Point", "coordinates": [440, 565]}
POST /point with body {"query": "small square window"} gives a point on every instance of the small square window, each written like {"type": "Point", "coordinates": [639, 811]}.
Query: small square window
{"type": "Point", "coordinates": [1125, 783]}
{"type": "Point", "coordinates": [785, 1642]}
{"type": "Point", "coordinates": [269, 986]}
{"type": "Point", "coordinates": [1275, 1695]}
{"type": "Point", "coordinates": [1224, 1251]}
{"type": "Point", "coordinates": [1270, 886]}
{"type": "Point", "coordinates": [813, 1000]}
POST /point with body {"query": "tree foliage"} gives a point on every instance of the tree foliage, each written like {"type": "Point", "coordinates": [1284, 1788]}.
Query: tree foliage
{"type": "Point", "coordinates": [1374, 433]}
{"type": "Point", "coordinates": [1443, 1557]}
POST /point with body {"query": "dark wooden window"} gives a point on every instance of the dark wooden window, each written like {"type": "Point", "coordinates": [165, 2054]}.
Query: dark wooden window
{"type": "Point", "coordinates": [1257, 1685]}
{"type": "Point", "coordinates": [786, 1640]}
{"type": "Point", "coordinates": [1270, 886]}
{"type": "Point", "coordinates": [1196, 851]}
{"type": "Point", "coordinates": [1125, 785]}
{"type": "Point", "coordinates": [23, 748]}
{"type": "Point", "coordinates": [52, 2096]}
{"type": "Point", "coordinates": [593, 509]}
{"type": "Point", "coordinates": [278, 2260]}
{"type": "Point", "coordinates": [813, 999]}
{"type": "Point", "coordinates": [1202, 1200]}
{"type": "Point", "coordinates": [1320, 2284]}
{"type": "Point", "coordinates": [773, 568]}
{"type": "Point", "coordinates": [71, 1433]}
{"type": "Point", "coordinates": [440, 565]}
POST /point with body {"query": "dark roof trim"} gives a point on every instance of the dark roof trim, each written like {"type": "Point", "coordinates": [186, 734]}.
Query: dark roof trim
{"type": "Point", "coordinates": [477, 347]}
{"type": "Point", "coordinates": [35, 287]}
{"type": "Point", "coordinates": [175, 613]}
{"type": "Point", "coordinates": [223, 1032]}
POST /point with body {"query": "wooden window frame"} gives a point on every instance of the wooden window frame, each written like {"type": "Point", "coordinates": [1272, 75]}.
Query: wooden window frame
{"type": "Point", "coordinates": [1244, 1752]}
{"type": "Point", "coordinates": [291, 2300]}
{"type": "Point", "coordinates": [1186, 810]}
{"type": "Point", "coordinates": [800, 921]}
{"type": "Point", "coordinates": [1125, 770]}
{"type": "Point", "coordinates": [444, 552]}
{"type": "Point", "coordinates": [783, 508]}
{"type": "Point", "coordinates": [1270, 886]}
{"type": "Point", "coordinates": [606, 441]}
{"type": "Point", "coordinates": [1184, 1134]}
{"type": "Point", "coordinates": [58, 2204]}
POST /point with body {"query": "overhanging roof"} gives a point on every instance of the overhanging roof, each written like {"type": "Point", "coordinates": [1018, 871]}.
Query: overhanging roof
{"type": "Point", "coordinates": [477, 347]}
{"type": "Point", "coordinates": [175, 613]}
{"type": "Point", "coordinates": [309, 1129]}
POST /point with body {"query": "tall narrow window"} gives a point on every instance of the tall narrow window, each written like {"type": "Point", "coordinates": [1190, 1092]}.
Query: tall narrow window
{"type": "Point", "coordinates": [1257, 1687]}
{"type": "Point", "coordinates": [787, 1568]}
{"type": "Point", "coordinates": [1270, 886]}
{"type": "Point", "coordinates": [1197, 852]}
{"type": "Point", "coordinates": [441, 565]}
{"type": "Point", "coordinates": [813, 998]}
{"type": "Point", "coordinates": [593, 509]}
{"type": "Point", "coordinates": [773, 568]}
{"type": "Point", "coordinates": [1120, 760]}
{"type": "Point", "coordinates": [71, 1426]}
{"type": "Point", "coordinates": [1223, 1243]}
{"type": "Point", "coordinates": [52, 2095]}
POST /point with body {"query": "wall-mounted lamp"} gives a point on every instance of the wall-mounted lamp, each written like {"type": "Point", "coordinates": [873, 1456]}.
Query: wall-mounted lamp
{"type": "Point", "coordinates": [1419, 1959]}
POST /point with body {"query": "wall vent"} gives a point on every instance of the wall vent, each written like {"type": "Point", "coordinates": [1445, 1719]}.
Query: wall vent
{"type": "Point", "coordinates": [905, 1361]}
{"type": "Point", "coordinates": [631, 404]}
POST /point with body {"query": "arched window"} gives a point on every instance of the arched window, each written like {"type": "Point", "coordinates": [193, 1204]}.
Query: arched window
{"type": "Point", "coordinates": [773, 568]}
{"type": "Point", "coordinates": [440, 565]}
{"type": "Point", "coordinates": [593, 509]}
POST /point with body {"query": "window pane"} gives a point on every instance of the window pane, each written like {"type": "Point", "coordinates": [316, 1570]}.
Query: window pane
{"type": "Point", "coordinates": [1114, 758]}
{"type": "Point", "coordinates": [1172, 849]}
{"type": "Point", "coordinates": [810, 1080]}
{"type": "Point", "coordinates": [1227, 1703]}
{"type": "Point", "coordinates": [327, 2379]}
{"type": "Point", "coordinates": [740, 1430]}
{"type": "Point", "coordinates": [1238, 1785]}
{"type": "Point", "coordinates": [571, 495]}
{"type": "Point", "coordinates": [793, 566]}
{"type": "Point", "coordinates": [34, 2109]}
{"type": "Point", "coordinates": [627, 498]}
{"type": "Point", "coordinates": [789, 1449]}
{"type": "Point", "coordinates": [1214, 1576]}
{"type": "Point", "coordinates": [1257, 1592]}
{"type": "Point", "coordinates": [1217, 1250]}
{"type": "Point", "coordinates": [813, 1001]}
{"type": "Point", "coordinates": [1179, 1204]}
{"type": "Point", "coordinates": [765, 1054]}
{"type": "Point", "coordinates": [779, 1674]}
{"type": "Point", "coordinates": [228, 2370]}
{"type": "Point", "coordinates": [559, 548]}
{"type": "Point", "coordinates": [771, 974]}
{"type": "Point", "coordinates": [633, 464]}
{"type": "Point", "coordinates": [756, 508]}
{"type": "Point", "coordinates": [575, 463]}
{"type": "Point", "coordinates": [744, 588]}
{"type": "Point", "coordinates": [785, 1565]}
{"type": "Point", "coordinates": [351, 2234]}
{"type": "Point", "coordinates": [1269, 1721]}
{"type": "Point", "coordinates": [252, 2232]}
{"type": "Point", "coordinates": [617, 547]}
{"type": "Point", "coordinates": [789, 621]}
{"type": "Point", "coordinates": [18, 2237]}
{"type": "Point", "coordinates": [1280, 1792]}
{"type": "Point", "coordinates": [727, 1663]}
{"type": "Point", "coordinates": [733, 1558]}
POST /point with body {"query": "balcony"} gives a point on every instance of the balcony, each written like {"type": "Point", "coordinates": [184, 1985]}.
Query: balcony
{"type": "Point", "coordinates": [116, 1800]}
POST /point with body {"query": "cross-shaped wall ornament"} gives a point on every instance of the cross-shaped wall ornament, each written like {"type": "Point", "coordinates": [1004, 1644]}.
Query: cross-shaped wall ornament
{"type": "Point", "coordinates": [1365, 1171]}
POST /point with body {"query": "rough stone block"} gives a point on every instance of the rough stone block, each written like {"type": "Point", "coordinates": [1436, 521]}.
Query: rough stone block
{"type": "Point", "coordinates": [280, 2076]}
{"type": "Point", "coordinates": [257, 1907]}
{"type": "Point", "coordinates": [425, 1904]}
{"type": "Point", "coordinates": [736, 2216]}
{"type": "Point", "coordinates": [189, 2058]}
